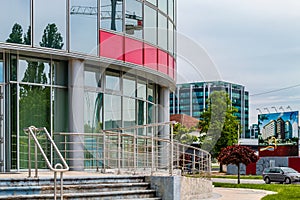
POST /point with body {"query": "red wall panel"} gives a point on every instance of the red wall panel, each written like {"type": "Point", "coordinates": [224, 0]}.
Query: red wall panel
{"type": "Point", "coordinates": [123, 48]}
{"type": "Point", "coordinates": [150, 56]}
{"type": "Point", "coordinates": [251, 169]}
{"type": "Point", "coordinates": [171, 66]}
{"type": "Point", "coordinates": [133, 51]}
{"type": "Point", "coordinates": [294, 162]}
{"type": "Point", "coordinates": [111, 45]}
{"type": "Point", "coordinates": [284, 150]}
{"type": "Point", "coordinates": [162, 61]}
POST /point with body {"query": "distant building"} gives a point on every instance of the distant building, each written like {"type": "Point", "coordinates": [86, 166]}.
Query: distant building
{"type": "Point", "coordinates": [185, 120]}
{"type": "Point", "coordinates": [254, 129]}
{"type": "Point", "coordinates": [190, 99]}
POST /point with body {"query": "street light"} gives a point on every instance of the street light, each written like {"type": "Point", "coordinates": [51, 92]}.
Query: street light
{"type": "Point", "coordinates": [281, 108]}
{"type": "Point", "coordinates": [274, 108]}
{"type": "Point", "coordinates": [289, 107]}
{"type": "Point", "coordinates": [258, 110]}
{"type": "Point", "coordinates": [267, 110]}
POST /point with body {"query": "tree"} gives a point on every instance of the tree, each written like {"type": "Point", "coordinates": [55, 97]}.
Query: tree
{"type": "Point", "coordinates": [182, 134]}
{"type": "Point", "coordinates": [218, 123]}
{"type": "Point", "coordinates": [27, 36]}
{"type": "Point", "coordinates": [16, 34]}
{"type": "Point", "coordinates": [51, 37]}
{"type": "Point", "coordinates": [236, 155]}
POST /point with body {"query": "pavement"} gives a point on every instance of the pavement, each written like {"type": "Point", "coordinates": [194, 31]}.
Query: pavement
{"type": "Point", "coordinates": [238, 193]}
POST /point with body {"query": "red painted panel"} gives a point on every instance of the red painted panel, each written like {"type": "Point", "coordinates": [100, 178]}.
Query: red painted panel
{"type": "Point", "coordinates": [133, 51]}
{"type": "Point", "coordinates": [111, 45]}
{"type": "Point", "coordinates": [286, 150]}
{"type": "Point", "coordinates": [150, 56]}
{"type": "Point", "coordinates": [251, 169]}
{"type": "Point", "coordinates": [294, 162]}
{"type": "Point", "coordinates": [171, 66]}
{"type": "Point", "coordinates": [162, 61]}
{"type": "Point", "coordinates": [175, 70]}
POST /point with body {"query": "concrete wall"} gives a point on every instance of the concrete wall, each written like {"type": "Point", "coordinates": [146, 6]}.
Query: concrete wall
{"type": "Point", "coordinates": [180, 188]}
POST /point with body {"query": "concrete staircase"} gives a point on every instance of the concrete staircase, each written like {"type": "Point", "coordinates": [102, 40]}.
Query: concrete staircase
{"type": "Point", "coordinates": [104, 188]}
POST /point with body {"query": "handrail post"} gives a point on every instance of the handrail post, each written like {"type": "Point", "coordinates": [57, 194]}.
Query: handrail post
{"type": "Point", "coordinates": [61, 186]}
{"type": "Point", "coordinates": [194, 161]}
{"type": "Point", "coordinates": [171, 151]}
{"type": "Point", "coordinates": [29, 156]}
{"type": "Point", "coordinates": [55, 185]}
{"type": "Point", "coordinates": [103, 153]}
{"type": "Point", "coordinates": [35, 157]}
{"type": "Point", "coordinates": [134, 150]}
{"type": "Point", "coordinates": [152, 151]}
{"type": "Point", "coordinates": [119, 152]}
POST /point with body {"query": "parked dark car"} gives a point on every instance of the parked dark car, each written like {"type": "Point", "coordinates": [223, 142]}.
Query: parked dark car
{"type": "Point", "coordinates": [280, 174]}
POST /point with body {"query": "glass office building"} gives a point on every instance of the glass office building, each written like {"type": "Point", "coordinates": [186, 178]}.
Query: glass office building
{"type": "Point", "coordinates": [82, 66]}
{"type": "Point", "coordinates": [190, 99]}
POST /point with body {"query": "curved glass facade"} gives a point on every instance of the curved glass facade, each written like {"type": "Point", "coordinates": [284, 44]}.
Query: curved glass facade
{"type": "Point", "coordinates": [93, 65]}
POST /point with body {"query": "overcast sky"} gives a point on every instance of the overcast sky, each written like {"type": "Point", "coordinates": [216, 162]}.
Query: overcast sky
{"type": "Point", "coordinates": [255, 43]}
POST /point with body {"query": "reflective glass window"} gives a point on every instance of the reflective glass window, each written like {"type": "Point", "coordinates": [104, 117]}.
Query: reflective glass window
{"type": "Point", "coordinates": [171, 38]}
{"type": "Point", "coordinates": [93, 76]}
{"type": "Point", "coordinates": [141, 115]}
{"type": "Point", "coordinates": [93, 106]}
{"type": "Point", "coordinates": [152, 1]}
{"type": "Point", "coordinates": [150, 25]}
{"type": "Point", "coordinates": [60, 73]}
{"type": "Point", "coordinates": [112, 15]}
{"type": "Point", "coordinates": [129, 112]}
{"type": "Point", "coordinates": [163, 5]}
{"type": "Point", "coordinates": [60, 109]}
{"type": "Point", "coordinates": [129, 86]}
{"type": "Point", "coordinates": [134, 18]}
{"type": "Point", "coordinates": [1, 68]}
{"type": "Point", "coordinates": [150, 97]}
{"type": "Point", "coordinates": [162, 31]}
{"type": "Point", "coordinates": [83, 26]}
{"type": "Point", "coordinates": [112, 80]}
{"type": "Point", "coordinates": [50, 23]}
{"type": "Point", "coordinates": [112, 111]}
{"type": "Point", "coordinates": [15, 21]}
{"type": "Point", "coordinates": [141, 90]}
{"type": "Point", "coordinates": [34, 71]}
{"type": "Point", "coordinates": [34, 108]}
{"type": "Point", "coordinates": [171, 9]}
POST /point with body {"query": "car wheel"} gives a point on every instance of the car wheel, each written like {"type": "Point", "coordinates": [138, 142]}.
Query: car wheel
{"type": "Point", "coordinates": [267, 180]}
{"type": "Point", "coordinates": [287, 180]}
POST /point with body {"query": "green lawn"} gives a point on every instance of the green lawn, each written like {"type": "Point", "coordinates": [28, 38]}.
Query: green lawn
{"type": "Point", "coordinates": [235, 176]}
{"type": "Point", "coordinates": [283, 191]}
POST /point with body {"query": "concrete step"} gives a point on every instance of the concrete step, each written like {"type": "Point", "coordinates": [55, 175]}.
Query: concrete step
{"type": "Point", "coordinates": [26, 190]}
{"type": "Point", "coordinates": [69, 180]}
{"type": "Point", "coordinates": [132, 194]}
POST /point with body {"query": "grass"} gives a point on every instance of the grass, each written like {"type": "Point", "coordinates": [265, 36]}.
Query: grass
{"type": "Point", "coordinates": [283, 191]}
{"type": "Point", "coordinates": [235, 176]}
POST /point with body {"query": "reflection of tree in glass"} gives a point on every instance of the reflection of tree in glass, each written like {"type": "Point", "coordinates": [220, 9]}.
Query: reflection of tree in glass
{"type": "Point", "coordinates": [27, 37]}
{"type": "Point", "coordinates": [52, 38]}
{"type": "Point", "coordinates": [16, 34]}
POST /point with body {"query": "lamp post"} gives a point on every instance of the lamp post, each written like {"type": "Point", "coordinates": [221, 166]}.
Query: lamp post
{"type": "Point", "coordinates": [274, 108]}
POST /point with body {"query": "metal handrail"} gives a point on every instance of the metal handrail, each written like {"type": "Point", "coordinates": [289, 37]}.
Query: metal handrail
{"type": "Point", "coordinates": [32, 131]}
{"type": "Point", "coordinates": [140, 151]}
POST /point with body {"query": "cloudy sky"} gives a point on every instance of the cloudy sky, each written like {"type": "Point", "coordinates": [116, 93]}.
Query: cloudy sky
{"type": "Point", "coordinates": [255, 43]}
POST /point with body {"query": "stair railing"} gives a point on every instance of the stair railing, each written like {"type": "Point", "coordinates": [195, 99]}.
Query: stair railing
{"type": "Point", "coordinates": [61, 168]}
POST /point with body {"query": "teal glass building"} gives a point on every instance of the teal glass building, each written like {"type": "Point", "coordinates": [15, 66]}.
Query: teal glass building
{"type": "Point", "coordinates": [190, 99]}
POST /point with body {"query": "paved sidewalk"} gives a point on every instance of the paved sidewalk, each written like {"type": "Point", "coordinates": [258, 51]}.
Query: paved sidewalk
{"type": "Point", "coordinates": [220, 193]}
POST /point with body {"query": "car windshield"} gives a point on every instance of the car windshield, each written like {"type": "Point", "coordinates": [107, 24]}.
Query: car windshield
{"type": "Point", "coordinates": [289, 170]}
